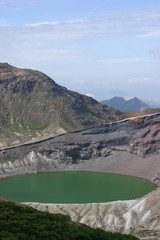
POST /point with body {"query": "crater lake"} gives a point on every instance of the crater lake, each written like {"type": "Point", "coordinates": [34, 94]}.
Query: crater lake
{"type": "Point", "coordinates": [74, 187]}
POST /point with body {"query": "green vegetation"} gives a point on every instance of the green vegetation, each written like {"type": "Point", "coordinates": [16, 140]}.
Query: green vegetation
{"type": "Point", "coordinates": [17, 223]}
{"type": "Point", "coordinates": [149, 234]}
{"type": "Point", "coordinates": [31, 127]}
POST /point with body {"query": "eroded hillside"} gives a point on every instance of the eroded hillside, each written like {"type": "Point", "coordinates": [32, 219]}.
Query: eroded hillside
{"type": "Point", "coordinates": [140, 217]}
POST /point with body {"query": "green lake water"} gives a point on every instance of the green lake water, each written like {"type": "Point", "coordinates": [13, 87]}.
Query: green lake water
{"type": "Point", "coordinates": [74, 187]}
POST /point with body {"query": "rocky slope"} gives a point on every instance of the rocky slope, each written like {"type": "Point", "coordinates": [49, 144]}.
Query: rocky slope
{"type": "Point", "coordinates": [33, 105]}
{"type": "Point", "coordinates": [130, 146]}
{"type": "Point", "coordinates": [140, 217]}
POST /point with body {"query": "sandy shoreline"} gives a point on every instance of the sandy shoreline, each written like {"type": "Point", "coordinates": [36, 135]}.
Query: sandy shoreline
{"type": "Point", "coordinates": [5, 177]}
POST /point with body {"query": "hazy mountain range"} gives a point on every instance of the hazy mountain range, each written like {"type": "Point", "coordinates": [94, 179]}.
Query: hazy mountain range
{"type": "Point", "coordinates": [132, 105]}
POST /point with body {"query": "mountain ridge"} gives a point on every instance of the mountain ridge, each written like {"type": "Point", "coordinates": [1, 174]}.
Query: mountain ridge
{"type": "Point", "coordinates": [33, 105]}
{"type": "Point", "coordinates": [131, 105]}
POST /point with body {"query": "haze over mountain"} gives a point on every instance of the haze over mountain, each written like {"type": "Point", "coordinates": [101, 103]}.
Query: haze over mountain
{"type": "Point", "coordinates": [32, 105]}
{"type": "Point", "coordinates": [132, 105]}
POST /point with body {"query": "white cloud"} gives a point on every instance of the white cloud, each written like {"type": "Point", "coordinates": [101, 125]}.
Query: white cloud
{"type": "Point", "coordinates": [150, 34]}
{"type": "Point", "coordinates": [50, 44]}
{"type": "Point", "coordinates": [101, 82]}
{"type": "Point", "coordinates": [57, 41]}
{"type": "Point", "coordinates": [90, 95]}
{"type": "Point", "coordinates": [78, 81]}
{"type": "Point", "coordinates": [139, 80]}
{"type": "Point", "coordinates": [118, 93]}
{"type": "Point", "coordinates": [45, 41]}
{"type": "Point", "coordinates": [146, 15]}
{"type": "Point", "coordinates": [39, 24]}
{"type": "Point", "coordinates": [144, 24]}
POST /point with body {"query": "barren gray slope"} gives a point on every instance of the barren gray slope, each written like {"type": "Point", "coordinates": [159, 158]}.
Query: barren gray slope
{"type": "Point", "coordinates": [129, 146]}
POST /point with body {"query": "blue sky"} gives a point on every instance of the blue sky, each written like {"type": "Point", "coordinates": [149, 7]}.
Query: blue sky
{"type": "Point", "coordinates": [101, 48]}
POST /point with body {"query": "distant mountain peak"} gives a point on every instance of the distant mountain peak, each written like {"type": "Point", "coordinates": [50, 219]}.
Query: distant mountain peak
{"type": "Point", "coordinates": [131, 105]}
{"type": "Point", "coordinates": [116, 97]}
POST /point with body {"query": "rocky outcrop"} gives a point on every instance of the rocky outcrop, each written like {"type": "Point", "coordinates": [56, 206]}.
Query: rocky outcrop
{"type": "Point", "coordinates": [129, 146]}
{"type": "Point", "coordinates": [140, 217]}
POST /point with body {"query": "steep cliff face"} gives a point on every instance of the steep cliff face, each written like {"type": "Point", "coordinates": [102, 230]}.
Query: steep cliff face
{"type": "Point", "coordinates": [131, 146]}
